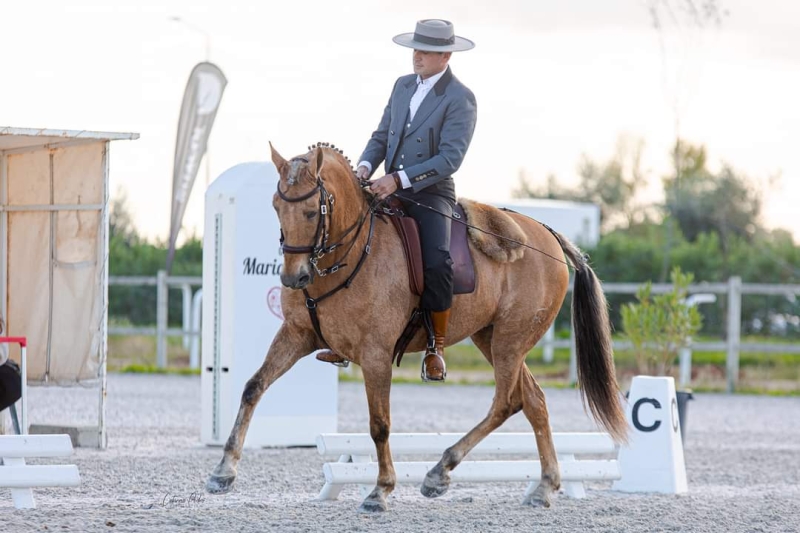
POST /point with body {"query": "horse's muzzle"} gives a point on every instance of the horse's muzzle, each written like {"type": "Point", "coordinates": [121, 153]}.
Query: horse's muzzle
{"type": "Point", "coordinates": [296, 281]}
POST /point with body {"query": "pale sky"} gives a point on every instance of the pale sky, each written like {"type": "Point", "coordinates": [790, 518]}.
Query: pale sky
{"type": "Point", "coordinates": [553, 80]}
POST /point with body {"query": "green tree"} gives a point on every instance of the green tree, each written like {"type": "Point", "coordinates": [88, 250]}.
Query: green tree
{"type": "Point", "coordinates": [700, 201]}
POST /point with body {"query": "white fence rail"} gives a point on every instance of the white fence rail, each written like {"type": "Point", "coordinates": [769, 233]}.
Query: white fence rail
{"type": "Point", "coordinates": [734, 289]}
{"type": "Point", "coordinates": [191, 325]}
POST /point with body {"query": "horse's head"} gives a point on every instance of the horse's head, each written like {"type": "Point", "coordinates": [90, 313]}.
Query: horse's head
{"type": "Point", "coordinates": [309, 187]}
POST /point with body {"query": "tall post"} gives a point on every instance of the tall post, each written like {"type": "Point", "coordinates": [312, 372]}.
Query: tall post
{"type": "Point", "coordinates": [734, 331]}
{"type": "Point", "coordinates": [548, 349]}
{"type": "Point", "coordinates": [685, 355]}
{"type": "Point", "coordinates": [194, 344]}
{"type": "Point", "coordinates": [573, 357]}
{"type": "Point", "coordinates": [186, 312]}
{"type": "Point", "coordinates": [102, 436]}
{"type": "Point", "coordinates": [161, 319]}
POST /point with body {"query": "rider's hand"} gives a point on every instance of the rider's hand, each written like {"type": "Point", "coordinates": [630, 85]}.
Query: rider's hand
{"type": "Point", "coordinates": [383, 187]}
{"type": "Point", "coordinates": [362, 172]}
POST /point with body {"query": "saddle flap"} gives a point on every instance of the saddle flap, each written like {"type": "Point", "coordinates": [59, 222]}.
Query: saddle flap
{"type": "Point", "coordinates": [408, 231]}
{"type": "Point", "coordinates": [463, 269]}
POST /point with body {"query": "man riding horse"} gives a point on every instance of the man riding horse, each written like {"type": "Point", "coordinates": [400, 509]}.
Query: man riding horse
{"type": "Point", "coordinates": [422, 138]}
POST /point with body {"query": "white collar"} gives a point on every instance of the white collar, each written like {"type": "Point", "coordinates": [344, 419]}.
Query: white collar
{"type": "Point", "coordinates": [430, 82]}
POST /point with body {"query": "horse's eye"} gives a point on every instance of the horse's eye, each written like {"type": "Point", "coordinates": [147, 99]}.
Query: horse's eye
{"type": "Point", "coordinates": [310, 214]}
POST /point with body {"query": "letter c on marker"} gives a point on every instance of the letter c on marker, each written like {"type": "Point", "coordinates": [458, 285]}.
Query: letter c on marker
{"type": "Point", "coordinates": [635, 415]}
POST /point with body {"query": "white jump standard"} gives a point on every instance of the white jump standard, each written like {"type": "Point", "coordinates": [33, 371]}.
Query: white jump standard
{"type": "Point", "coordinates": [21, 478]}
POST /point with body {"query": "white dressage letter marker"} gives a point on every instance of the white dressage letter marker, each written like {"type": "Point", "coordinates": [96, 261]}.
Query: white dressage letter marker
{"type": "Point", "coordinates": [653, 459]}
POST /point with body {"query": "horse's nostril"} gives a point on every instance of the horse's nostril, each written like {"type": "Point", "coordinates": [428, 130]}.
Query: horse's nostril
{"type": "Point", "coordinates": [303, 280]}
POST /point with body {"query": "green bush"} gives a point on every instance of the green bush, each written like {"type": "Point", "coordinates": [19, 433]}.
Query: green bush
{"type": "Point", "coordinates": [660, 325]}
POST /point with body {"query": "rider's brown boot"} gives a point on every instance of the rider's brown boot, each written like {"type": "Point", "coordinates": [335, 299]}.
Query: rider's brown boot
{"type": "Point", "coordinates": [329, 356]}
{"type": "Point", "coordinates": [433, 367]}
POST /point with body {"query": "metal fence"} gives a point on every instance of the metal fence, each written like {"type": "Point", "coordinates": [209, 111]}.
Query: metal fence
{"type": "Point", "coordinates": [191, 313]}
{"type": "Point", "coordinates": [734, 289]}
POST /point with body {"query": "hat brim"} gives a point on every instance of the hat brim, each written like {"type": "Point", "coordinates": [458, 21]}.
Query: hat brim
{"type": "Point", "coordinates": [407, 39]}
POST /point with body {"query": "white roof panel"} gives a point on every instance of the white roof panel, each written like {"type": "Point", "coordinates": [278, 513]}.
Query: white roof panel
{"type": "Point", "coordinates": [12, 138]}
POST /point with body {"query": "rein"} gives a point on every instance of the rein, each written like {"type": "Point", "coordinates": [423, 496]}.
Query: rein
{"type": "Point", "coordinates": [467, 224]}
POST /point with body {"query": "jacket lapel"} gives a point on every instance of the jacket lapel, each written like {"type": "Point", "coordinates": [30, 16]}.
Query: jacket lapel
{"type": "Point", "coordinates": [432, 100]}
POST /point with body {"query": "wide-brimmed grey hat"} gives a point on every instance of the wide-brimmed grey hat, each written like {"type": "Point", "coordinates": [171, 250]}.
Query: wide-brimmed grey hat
{"type": "Point", "coordinates": [434, 35]}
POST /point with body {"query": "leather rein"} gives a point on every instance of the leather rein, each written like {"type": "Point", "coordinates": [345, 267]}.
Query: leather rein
{"type": "Point", "coordinates": [320, 248]}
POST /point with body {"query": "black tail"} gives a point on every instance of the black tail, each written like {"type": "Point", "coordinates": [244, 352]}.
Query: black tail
{"type": "Point", "coordinates": [596, 373]}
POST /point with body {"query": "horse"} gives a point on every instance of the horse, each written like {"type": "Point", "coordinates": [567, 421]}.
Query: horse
{"type": "Point", "coordinates": [345, 279]}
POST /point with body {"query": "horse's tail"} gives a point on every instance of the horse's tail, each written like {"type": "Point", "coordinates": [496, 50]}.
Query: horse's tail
{"type": "Point", "coordinates": [596, 373]}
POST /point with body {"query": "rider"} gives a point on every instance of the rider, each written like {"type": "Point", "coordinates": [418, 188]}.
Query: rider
{"type": "Point", "coordinates": [422, 138]}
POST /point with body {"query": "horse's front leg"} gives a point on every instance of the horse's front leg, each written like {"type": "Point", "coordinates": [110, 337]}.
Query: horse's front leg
{"type": "Point", "coordinates": [288, 347]}
{"type": "Point", "coordinates": [378, 382]}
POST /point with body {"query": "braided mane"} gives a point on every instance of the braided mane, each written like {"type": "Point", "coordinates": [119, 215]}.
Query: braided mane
{"type": "Point", "coordinates": [332, 147]}
{"type": "Point", "coordinates": [367, 193]}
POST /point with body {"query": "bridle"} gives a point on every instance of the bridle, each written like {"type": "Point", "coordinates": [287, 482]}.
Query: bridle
{"type": "Point", "coordinates": [319, 247]}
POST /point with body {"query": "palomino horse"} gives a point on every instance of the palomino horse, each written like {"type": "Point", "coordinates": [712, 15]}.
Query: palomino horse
{"type": "Point", "coordinates": [330, 234]}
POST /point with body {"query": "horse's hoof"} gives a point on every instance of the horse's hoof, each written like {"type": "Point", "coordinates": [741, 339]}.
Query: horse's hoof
{"type": "Point", "coordinates": [538, 498]}
{"type": "Point", "coordinates": [373, 506]}
{"type": "Point", "coordinates": [219, 484]}
{"type": "Point", "coordinates": [435, 483]}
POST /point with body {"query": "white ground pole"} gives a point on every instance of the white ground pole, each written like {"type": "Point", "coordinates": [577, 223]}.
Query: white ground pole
{"type": "Point", "coordinates": [356, 464]}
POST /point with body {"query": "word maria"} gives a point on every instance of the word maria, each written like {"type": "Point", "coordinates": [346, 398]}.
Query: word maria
{"type": "Point", "coordinates": [253, 268]}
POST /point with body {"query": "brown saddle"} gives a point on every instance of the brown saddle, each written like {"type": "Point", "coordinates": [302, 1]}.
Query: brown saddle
{"type": "Point", "coordinates": [408, 230]}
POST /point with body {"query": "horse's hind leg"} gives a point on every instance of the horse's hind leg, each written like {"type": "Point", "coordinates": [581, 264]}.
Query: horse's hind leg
{"type": "Point", "coordinates": [289, 346]}
{"type": "Point", "coordinates": [507, 401]}
{"type": "Point", "coordinates": [535, 409]}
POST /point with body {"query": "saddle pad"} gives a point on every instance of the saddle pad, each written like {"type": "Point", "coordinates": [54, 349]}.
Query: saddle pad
{"type": "Point", "coordinates": [463, 268]}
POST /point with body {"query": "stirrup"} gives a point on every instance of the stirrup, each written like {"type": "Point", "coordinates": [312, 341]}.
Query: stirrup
{"type": "Point", "coordinates": [424, 375]}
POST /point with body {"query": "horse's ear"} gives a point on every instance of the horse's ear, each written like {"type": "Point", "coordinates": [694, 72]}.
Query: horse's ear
{"type": "Point", "coordinates": [317, 160]}
{"type": "Point", "coordinates": [277, 159]}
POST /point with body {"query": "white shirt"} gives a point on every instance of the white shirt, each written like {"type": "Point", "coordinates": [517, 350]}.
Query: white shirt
{"type": "Point", "coordinates": [423, 88]}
